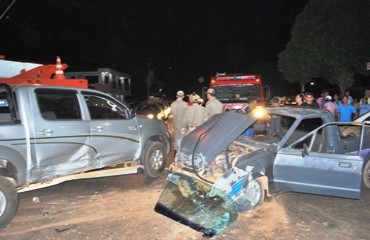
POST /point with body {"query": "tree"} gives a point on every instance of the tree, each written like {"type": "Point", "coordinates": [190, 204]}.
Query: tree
{"type": "Point", "coordinates": [330, 39]}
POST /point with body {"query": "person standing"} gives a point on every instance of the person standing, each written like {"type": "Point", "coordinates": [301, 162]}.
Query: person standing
{"type": "Point", "coordinates": [363, 106]}
{"type": "Point", "coordinates": [194, 115]}
{"type": "Point", "coordinates": [276, 102]}
{"type": "Point", "coordinates": [178, 108]}
{"type": "Point", "coordinates": [336, 99]}
{"type": "Point", "coordinates": [346, 112]}
{"type": "Point", "coordinates": [310, 101]}
{"type": "Point", "coordinates": [213, 105]}
{"type": "Point", "coordinates": [330, 106]}
{"type": "Point", "coordinates": [349, 97]}
{"type": "Point", "coordinates": [299, 99]}
{"type": "Point", "coordinates": [321, 100]}
{"type": "Point", "coordinates": [367, 96]}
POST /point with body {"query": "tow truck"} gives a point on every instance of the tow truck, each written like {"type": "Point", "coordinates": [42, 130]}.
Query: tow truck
{"type": "Point", "coordinates": [22, 73]}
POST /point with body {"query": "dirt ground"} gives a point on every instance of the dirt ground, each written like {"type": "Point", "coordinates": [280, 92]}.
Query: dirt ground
{"type": "Point", "coordinates": [122, 208]}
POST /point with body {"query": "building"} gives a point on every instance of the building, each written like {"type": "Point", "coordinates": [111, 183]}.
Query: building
{"type": "Point", "coordinates": [107, 80]}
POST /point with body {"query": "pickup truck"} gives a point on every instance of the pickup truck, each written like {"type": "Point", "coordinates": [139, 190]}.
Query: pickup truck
{"type": "Point", "coordinates": [219, 172]}
{"type": "Point", "coordinates": [50, 134]}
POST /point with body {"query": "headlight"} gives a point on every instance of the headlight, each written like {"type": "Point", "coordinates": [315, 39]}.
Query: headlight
{"type": "Point", "coordinates": [259, 112]}
{"type": "Point", "coordinates": [159, 116]}
{"type": "Point", "coordinates": [151, 116]}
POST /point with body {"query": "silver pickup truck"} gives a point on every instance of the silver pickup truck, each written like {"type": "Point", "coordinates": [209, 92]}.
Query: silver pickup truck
{"type": "Point", "coordinates": [49, 135]}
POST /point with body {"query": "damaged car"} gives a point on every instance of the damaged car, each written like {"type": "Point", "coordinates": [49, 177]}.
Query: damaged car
{"type": "Point", "coordinates": [219, 172]}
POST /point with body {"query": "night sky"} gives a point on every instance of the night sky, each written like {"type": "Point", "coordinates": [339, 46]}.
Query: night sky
{"type": "Point", "coordinates": [181, 41]}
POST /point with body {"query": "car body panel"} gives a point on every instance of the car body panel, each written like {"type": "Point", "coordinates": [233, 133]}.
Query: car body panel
{"type": "Point", "coordinates": [318, 173]}
{"type": "Point", "coordinates": [58, 145]}
{"type": "Point", "coordinates": [114, 134]}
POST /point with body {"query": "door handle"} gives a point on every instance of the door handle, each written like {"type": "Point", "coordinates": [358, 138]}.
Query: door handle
{"type": "Point", "coordinates": [45, 132]}
{"type": "Point", "coordinates": [345, 164]}
{"type": "Point", "coordinates": [132, 128]}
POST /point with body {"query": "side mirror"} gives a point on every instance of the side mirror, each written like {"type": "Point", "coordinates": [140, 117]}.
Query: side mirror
{"type": "Point", "coordinates": [304, 150]}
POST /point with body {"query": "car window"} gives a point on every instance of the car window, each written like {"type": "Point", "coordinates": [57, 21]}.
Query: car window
{"type": "Point", "coordinates": [309, 124]}
{"type": "Point", "coordinates": [304, 127]}
{"type": "Point", "coordinates": [148, 107]}
{"type": "Point", "coordinates": [197, 205]}
{"type": "Point", "coordinates": [279, 125]}
{"type": "Point", "coordinates": [4, 108]}
{"type": "Point", "coordinates": [101, 107]}
{"type": "Point", "coordinates": [334, 139]}
{"type": "Point", "coordinates": [57, 104]}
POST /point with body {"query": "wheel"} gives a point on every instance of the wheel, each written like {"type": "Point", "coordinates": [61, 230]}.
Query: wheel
{"type": "Point", "coordinates": [8, 201]}
{"type": "Point", "coordinates": [251, 197]}
{"type": "Point", "coordinates": [155, 159]}
{"type": "Point", "coordinates": [366, 174]}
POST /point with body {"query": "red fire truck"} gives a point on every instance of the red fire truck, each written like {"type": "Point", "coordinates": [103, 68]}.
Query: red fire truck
{"type": "Point", "coordinates": [237, 89]}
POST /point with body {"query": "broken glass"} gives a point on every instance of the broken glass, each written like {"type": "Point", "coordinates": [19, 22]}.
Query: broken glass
{"type": "Point", "coordinates": [187, 200]}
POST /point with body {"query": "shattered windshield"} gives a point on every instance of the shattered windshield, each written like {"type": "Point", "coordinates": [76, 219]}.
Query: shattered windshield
{"type": "Point", "coordinates": [196, 204]}
{"type": "Point", "coordinates": [238, 93]}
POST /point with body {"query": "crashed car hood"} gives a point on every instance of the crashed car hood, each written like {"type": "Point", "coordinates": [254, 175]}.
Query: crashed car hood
{"type": "Point", "coordinates": [213, 136]}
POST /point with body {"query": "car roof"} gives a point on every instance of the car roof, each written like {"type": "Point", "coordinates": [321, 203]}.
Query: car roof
{"type": "Point", "coordinates": [30, 86]}
{"type": "Point", "coordinates": [297, 112]}
{"type": "Point", "coordinates": [363, 117]}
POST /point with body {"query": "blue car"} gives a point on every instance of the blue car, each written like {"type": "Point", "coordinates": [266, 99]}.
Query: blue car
{"type": "Point", "coordinates": [218, 171]}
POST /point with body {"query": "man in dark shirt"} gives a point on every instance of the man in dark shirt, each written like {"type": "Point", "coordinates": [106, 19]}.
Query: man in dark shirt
{"type": "Point", "coordinates": [310, 101]}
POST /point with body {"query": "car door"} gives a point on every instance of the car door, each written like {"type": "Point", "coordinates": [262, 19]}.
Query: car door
{"type": "Point", "coordinates": [60, 138]}
{"type": "Point", "coordinates": [114, 131]}
{"type": "Point", "coordinates": [318, 169]}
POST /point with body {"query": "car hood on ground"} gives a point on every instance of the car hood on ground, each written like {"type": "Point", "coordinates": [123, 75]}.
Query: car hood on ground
{"type": "Point", "coordinates": [212, 137]}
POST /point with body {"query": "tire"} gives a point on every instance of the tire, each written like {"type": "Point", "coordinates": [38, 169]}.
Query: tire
{"type": "Point", "coordinates": [8, 201]}
{"type": "Point", "coordinates": [155, 159]}
{"type": "Point", "coordinates": [251, 197]}
{"type": "Point", "coordinates": [366, 174]}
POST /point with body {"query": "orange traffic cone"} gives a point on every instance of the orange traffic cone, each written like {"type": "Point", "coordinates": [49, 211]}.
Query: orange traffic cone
{"type": "Point", "coordinates": [59, 74]}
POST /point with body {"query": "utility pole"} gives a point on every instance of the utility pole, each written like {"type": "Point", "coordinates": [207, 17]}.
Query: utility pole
{"type": "Point", "coordinates": [7, 9]}
{"type": "Point", "coordinates": [150, 78]}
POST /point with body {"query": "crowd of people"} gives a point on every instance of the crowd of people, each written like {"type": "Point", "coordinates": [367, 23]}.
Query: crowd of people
{"type": "Point", "coordinates": [189, 115]}
{"type": "Point", "coordinates": [344, 109]}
